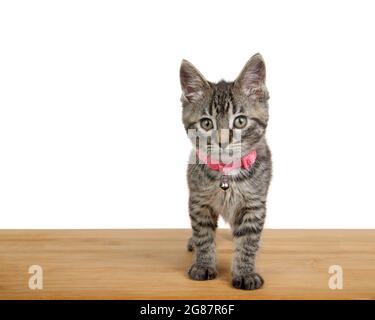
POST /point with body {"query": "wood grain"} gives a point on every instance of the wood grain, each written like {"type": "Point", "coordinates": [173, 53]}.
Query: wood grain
{"type": "Point", "coordinates": [151, 264]}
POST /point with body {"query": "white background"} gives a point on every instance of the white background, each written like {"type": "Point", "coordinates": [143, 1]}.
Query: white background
{"type": "Point", "coordinates": [90, 118]}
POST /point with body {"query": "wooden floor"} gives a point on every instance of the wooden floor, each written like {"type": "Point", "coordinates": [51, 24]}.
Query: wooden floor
{"type": "Point", "coordinates": [151, 264]}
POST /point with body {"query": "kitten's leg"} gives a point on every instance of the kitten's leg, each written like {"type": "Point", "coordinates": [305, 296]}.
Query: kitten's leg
{"type": "Point", "coordinates": [204, 224]}
{"type": "Point", "coordinates": [190, 244]}
{"type": "Point", "coordinates": [247, 227]}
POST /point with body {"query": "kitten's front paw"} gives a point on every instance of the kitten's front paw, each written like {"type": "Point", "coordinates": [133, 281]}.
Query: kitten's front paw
{"type": "Point", "coordinates": [199, 272]}
{"type": "Point", "coordinates": [249, 281]}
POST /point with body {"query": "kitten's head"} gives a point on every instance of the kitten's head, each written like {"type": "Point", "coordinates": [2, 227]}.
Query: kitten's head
{"type": "Point", "coordinates": [230, 118]}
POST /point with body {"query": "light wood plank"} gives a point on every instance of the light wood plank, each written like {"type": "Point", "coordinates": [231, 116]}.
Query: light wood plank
{"type": "Point", "coordinates": [151, 264]}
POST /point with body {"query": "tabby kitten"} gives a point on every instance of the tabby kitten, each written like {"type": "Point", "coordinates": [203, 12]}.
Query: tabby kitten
{"type": "Point", "coordinates": [230, 166]}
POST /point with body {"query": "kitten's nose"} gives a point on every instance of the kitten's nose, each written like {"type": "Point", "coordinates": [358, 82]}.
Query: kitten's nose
{"type": "Point", "coordinates": [224, 137]}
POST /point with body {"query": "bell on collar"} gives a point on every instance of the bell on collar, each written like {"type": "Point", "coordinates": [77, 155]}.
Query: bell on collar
{"type": "Point", "coordinates": [224, 183]}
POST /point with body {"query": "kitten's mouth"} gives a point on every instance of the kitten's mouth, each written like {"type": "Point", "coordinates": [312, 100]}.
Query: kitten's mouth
{"type": "Point", "coordinates": [226, 167]}
{"type": "Point", "coordinates": [227, 155]}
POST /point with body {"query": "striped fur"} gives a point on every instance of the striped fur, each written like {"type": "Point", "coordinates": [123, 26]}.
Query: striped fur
{"type": "Point", "coordinates": [243, 205]}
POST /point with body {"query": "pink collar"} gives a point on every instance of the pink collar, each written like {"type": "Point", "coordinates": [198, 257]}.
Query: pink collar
{"type": "Point", "coordinates": [245, 162]}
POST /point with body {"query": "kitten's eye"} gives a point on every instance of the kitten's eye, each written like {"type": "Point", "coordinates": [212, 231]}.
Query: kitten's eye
{"type": "Point", "coordinates": [207, 124]}
{"type": "Point", "coordinates": [240, 122]}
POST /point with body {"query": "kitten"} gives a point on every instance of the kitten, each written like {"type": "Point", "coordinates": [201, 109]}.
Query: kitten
{"type": "Point", "coordinates": [228, 174]}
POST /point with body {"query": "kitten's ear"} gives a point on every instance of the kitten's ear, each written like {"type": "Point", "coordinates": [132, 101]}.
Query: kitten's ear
{"type": "Point", "coordinates": [193, 84]}
{"type": "Point", "coordinates": [252, 79]}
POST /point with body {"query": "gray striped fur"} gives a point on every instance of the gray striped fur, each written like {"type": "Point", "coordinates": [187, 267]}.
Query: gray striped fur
{"type": "Point", "coordinates": [243, 205]}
